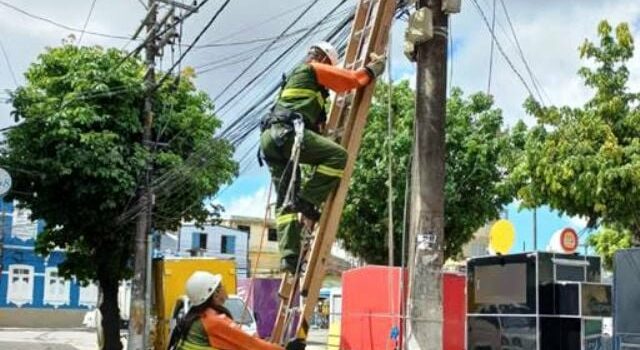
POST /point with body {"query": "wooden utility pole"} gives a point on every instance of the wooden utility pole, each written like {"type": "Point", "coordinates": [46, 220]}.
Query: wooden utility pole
{"type": "Point", "coordinates": [137, 317]}
{"type": "Point", "coordinates": [426, 224]}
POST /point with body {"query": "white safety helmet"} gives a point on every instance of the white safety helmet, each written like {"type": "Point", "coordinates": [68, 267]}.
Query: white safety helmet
{"type": "Point", "coordinates": [201, 285]}
{"type": "Point", "coordinates": [328, 50]}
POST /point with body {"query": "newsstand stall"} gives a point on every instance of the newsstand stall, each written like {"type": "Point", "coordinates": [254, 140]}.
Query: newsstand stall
{"type": "Point", "coordinates": [536, 301]}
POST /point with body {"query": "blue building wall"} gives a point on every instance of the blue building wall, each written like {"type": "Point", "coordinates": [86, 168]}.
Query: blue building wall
{"type": "Point", "coordinates": [20, 251]}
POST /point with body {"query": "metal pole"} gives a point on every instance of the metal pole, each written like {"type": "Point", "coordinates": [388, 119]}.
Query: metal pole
{"type": "Point", "coordinates": [535, 229]}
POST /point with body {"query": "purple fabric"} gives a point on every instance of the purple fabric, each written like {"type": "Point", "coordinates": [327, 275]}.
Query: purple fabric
{"type": "Point", "coordinates": [263, 301]}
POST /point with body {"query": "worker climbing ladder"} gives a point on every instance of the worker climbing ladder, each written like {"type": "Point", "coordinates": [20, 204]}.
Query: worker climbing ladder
{"type": "Point", "coordinates": [369, 34]}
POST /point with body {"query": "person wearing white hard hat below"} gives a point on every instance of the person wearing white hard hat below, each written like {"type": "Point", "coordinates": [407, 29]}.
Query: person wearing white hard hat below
{"type": "Point", "coordinates": [303, 96]}
{"type": "Point", "coordinates": [209, 325]}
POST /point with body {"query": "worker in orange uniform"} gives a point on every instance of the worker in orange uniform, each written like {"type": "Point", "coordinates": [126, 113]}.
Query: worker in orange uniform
{"type": "Point", "coordinates": [303, 97]}
{"type": "Point", "coordinates": [209, 325]}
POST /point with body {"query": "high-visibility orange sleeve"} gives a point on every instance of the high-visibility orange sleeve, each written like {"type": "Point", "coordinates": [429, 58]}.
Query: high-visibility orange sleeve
{"type": "Point", "coordinates": [340, 79]}
{"type": "Point", "coordinates": [223, 333]}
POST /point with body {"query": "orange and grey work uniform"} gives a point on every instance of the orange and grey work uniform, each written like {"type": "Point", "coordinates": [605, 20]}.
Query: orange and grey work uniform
{"type": "Point", "coordinates": [215, 331]}
{"type": "Point", "coordinates": [304, 94]}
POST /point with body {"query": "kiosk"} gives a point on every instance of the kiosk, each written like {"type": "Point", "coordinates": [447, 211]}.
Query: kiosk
{"type": "Point", "coordinates": [537, 301]}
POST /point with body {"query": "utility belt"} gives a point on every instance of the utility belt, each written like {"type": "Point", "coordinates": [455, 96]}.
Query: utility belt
{"type": "Point", "coordinates": [279, 115]}
{"type": "Point", "coordinates": [282, 117]}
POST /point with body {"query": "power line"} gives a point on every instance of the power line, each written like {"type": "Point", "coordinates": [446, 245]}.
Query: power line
{"type": "Point", "coordinates": [86, 22]}
{"type": "Point", "coordinates": [197, 38]}
{"type": "Point", "coordinates": [258, 57]}
{"type": "Point", "coordinates": [6, 58]}
{"type": "Point", "coordinates": [493, 41]}
{"type": "Point", "coordinates": [499, 46]}
{"type": "Point", "coordinates": [534, 80]}
{"type": "Point", "coordinates": [58, 24]}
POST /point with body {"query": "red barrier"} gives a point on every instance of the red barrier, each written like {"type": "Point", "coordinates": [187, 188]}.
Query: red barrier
{"type": "Point", "coordinates": [372, 306]}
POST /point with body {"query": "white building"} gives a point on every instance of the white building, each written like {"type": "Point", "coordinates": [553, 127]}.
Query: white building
{"type": "Point", "coordinates": [216, 241]}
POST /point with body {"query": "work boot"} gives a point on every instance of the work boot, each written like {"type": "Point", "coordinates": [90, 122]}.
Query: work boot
{"type": "Point", "coordinates": [289, 264]}
{"type": "Point", "coordinates": [308, 224]}
{"type": "Point", "coordinates": [307, 209]}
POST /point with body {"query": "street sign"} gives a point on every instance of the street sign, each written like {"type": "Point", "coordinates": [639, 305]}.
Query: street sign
{"type": "Point", "coordinates": [564, 241]}
{"type": "Point", "coordinates": [5, 182]}
{"type": "Point", "coordinates": [501, 236]}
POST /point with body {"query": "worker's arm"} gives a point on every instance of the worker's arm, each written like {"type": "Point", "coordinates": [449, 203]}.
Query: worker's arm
{"type": "Point", "coordinates": [223, 333]}
{"type": "Point", "coordinates": [340, 79]}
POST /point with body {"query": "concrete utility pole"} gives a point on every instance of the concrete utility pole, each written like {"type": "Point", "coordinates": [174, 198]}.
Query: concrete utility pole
{"type": "Point", "coordinates": [138, 337]}
{"type": "Point", "coordinates": [426, 224]}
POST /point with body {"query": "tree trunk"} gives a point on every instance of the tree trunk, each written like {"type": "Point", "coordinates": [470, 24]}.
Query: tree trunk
{"type": "Point", "coordinates": [110, 314]}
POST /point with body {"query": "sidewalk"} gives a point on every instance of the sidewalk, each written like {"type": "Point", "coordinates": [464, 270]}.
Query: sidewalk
{"type": "Point", "coordinates": [59, 339]}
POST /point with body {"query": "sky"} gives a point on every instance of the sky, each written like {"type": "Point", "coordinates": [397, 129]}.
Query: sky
{"type": "Point", "coordinates": [549, 32]}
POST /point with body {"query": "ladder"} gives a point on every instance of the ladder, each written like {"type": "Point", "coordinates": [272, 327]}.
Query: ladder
{"type": "Point", "coordinates": [348, 116]}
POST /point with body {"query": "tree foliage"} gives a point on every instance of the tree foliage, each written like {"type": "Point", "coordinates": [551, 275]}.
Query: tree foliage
{"type": "Point", "coordinates": [474, 193]}
{"type": "Point", "coordinates": [586, 161]}
{"type": "Point", "coordinates": [77, 160]}
{"type": "Point", "coordinates": [607, 241]}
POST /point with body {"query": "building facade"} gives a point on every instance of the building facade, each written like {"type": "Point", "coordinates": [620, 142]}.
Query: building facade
{"type": "Point", "coordinates": [30, 285]}
{"type": "Point", "coordinates": [263, 243]}
{"type": "Point", "coordinates": [214, 241]}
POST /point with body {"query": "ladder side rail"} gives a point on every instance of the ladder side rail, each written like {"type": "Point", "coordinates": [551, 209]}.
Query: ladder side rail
{"type": "Point", "coordinates": [315, 273]}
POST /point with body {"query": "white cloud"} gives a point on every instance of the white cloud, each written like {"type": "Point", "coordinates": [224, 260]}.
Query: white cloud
{"type": "Point", "coordinates": [249, 205]}
{"type": "Point", "coordinates": [579, 221]}
{"type": "Point", "coordinates": [549, 33]}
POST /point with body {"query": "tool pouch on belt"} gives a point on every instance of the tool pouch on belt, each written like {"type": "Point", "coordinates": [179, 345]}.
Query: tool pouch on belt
{"type": "Point", "coordinates": [279, 122]}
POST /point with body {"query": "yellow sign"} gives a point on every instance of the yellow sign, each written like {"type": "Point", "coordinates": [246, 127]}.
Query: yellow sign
{"type": "Point", "coordinates": [501, 236]}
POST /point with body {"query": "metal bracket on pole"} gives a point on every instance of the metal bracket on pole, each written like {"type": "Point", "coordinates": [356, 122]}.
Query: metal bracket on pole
{"type": "Point", "coordinates": [178, 4]}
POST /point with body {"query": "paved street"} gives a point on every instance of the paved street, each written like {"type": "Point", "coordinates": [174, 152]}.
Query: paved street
{"type": "Point", "coordinates": [317, 339]}
{"type": "Point", "coordinates": [34, 346]}
{"type": "Point", "coordinates": [85, 339]}
{"type": "Point", "coordinates": [47, 339]}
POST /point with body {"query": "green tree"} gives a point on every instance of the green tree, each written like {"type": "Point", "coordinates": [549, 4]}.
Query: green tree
{"type": "Point", "coordinates": [607, 241]}
{"type": "Point", "coordinates": [474, 193]}
{"type": "Point", "coordinates": [585, 161]}
{"type": "Point", "coordinates": [77, 161]}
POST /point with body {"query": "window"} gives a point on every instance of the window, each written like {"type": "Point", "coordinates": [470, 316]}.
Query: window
{"type": "Point", "coordinates": [273, 235]}
{"type": "Point", "coordinates": [20, 289]}
{"type": "Point", "coordinates": [88, 296]}
{"type": "Point", "coordinates": [56, 288]}
{"type": "Point", "coordinates": [22, 227]}
{"type": "Point", "coordinates": [199, 241]}
{"type": "Point", "coordinates": [228, 245]}
{"type": "Point", "coordinates": [501, 284]}
{"type": "Point", "coordinates": [244, 228]}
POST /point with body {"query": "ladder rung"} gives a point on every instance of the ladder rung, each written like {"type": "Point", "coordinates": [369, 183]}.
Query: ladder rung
{"type": "Point", "coordinates": [365, 29]}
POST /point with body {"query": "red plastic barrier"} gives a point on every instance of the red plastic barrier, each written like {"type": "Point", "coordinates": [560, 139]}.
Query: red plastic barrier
{"type": "Point", "coordinates": [453, 311]}
{"type": "Point", "coordinates": [372, 307]}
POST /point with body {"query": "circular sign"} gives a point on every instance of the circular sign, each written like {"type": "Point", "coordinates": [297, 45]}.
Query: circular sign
{"type": "Point", "coordinates": [501, 236]}
{"type": "Point", "coordinates": [569, 240]}
{"type": "Point", "coordinates": [5, 182]}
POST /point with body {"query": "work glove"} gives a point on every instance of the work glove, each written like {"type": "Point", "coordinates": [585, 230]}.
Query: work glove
{"type": "Point", "coordinates": [296, 344]}
{"type": "Point", "coordinates": [376, 66]}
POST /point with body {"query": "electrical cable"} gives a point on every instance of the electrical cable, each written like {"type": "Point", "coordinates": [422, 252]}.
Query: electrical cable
{"type": "Point", "coordinates": [197, 38]}
{"type": "Point", "coordinates": [534, 80]}
{"type": "Point", "coordinates": [9, 66]}
{"type": "Point", "coordinates": [86, 22]}
{"type": "Point", "coordinates": [60, 25]}
{"type": "Point", "coordinates": [493, 41]}
{"type": "Point", "coordinates": [501, 50]}
{"type": "Point", "coordinates": [259, 56]}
